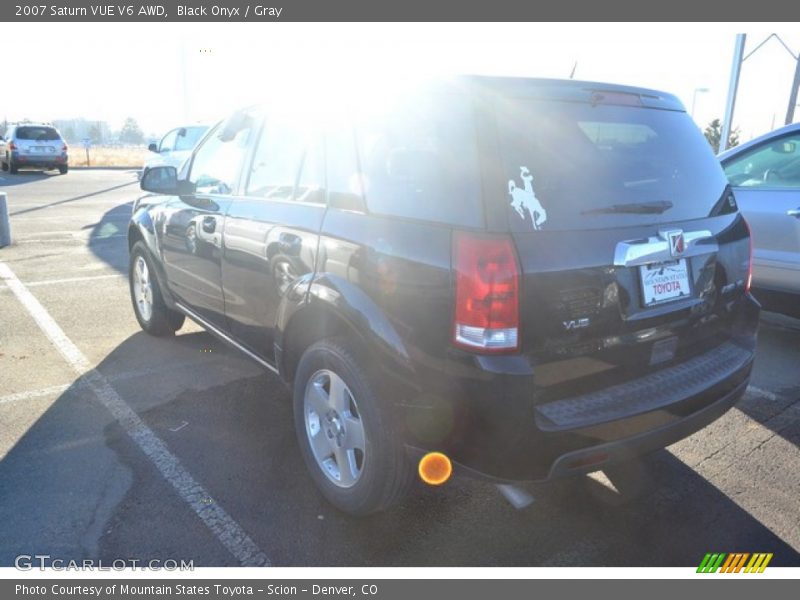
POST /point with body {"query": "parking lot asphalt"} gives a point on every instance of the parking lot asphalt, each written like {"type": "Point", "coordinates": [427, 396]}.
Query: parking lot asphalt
{"type": "Point", "coordinates": [115, 444]}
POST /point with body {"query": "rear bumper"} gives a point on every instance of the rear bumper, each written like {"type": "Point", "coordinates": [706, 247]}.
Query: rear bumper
{"type": "Point", "coordinates": [595, 457]}
{"type": "Point", "coordinates": [35, 160]}
{"type": "Point", "coordinates": [491, 426]}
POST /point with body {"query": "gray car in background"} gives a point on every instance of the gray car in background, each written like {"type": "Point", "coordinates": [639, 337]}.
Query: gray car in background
{"type": "Point", "coordinates": [765, 176]}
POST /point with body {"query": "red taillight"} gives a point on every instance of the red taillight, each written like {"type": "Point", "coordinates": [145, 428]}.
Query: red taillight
{"type": "Point", "coordinates": [12, 146]}
{"type": "Point", "coordinates": [486, 316]}
{"type": "Point", "coordinates": [749, 281]}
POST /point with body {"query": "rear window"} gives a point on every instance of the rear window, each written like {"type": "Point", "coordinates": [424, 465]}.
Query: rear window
{"type": "Point", "coordinates": [419, 160]}
{"type": "Point", "coordinates": [37, 134]}
{"type": "Point", "coordinates": [565, 165]}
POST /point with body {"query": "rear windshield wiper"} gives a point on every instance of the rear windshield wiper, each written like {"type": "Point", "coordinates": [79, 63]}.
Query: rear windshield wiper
{"type": "Point", "coordinates": [640, 208]}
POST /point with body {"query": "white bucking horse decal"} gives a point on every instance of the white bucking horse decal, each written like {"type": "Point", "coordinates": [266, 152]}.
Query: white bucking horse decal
{"type": "Point", "coordinates": [524, 199]}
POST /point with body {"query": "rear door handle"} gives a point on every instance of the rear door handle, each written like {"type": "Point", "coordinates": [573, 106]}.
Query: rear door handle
{"type": "Point", "coordinates": [793, 213]}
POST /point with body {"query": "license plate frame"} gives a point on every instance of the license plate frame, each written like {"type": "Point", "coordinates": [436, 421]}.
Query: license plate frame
{"type": "Point", "coordinates": [665, 282]}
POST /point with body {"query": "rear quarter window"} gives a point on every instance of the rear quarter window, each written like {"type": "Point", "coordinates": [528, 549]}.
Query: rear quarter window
{"type": "Point", "coordinates": [420, 161]}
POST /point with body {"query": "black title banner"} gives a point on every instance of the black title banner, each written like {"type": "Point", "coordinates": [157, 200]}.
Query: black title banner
{"type": "Point", "coordinates": [399, 10]}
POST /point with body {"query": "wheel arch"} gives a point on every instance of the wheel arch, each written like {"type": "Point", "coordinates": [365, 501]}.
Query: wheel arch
{"type": "Point", "coordinates": [141, 228]}
{"type": "Point", "coordinates": [335, 307]}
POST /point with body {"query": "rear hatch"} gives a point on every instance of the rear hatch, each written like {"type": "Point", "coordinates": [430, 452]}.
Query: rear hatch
{"type": "Point", "coordinates": [38, 141]}
{"type": "Point", "coordinates": [631, 248]}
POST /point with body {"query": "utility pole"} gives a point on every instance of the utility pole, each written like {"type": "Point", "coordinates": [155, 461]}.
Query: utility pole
{"type": "Point", "coordinates": [793, 93]}
{"type": "Point", "coordinates": [184, 84]}
{"type": "Point", "coordinates": [738, 51]}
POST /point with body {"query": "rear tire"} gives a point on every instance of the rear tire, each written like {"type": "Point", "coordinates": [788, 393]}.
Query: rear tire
{"type": "Point", "coordinates": [330, 430]}
{"type": "Point", "coordinates": [12, 168]}
{"type": "Point", "coordinates": [63, 169]}
{"type": "Point", "coordinates": [148, 305]}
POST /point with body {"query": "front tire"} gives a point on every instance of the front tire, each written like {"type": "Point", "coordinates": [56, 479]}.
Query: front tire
{"type": "Point", "coordinates": [345, 432]}
{"type": "Point", "coordinates": [148, 305]}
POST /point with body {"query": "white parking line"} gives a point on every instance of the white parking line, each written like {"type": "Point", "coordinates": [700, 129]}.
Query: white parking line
{"type": "Point", "coordinates": [73, 279]}
{"type": "Point", "coordinates": [65, 233]}
{"type": "Point", "coordinates": [62, 218]}
{"type": "Point", "coordinates": [124, 376]}
{"type": "Point", "coordinates": [73, 238]}
{"type": "Point", "coordinates": [766, 394]}
{"type": "Point", "coordinates": [42, 282]}
{"type": "Point", "coordinates": [218, 521]}
{"type": "Point", "coordinates": [30, 395]}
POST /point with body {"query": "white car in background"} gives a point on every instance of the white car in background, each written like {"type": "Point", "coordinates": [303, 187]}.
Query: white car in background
{"type": "Point", "coordinates": [175, 147]}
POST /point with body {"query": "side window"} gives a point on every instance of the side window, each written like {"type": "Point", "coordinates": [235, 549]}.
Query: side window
{"type": "Point", "coordinates": [774, 164]}
{"type": "Point", "coordinates": [311, 182]}
{"type": "Point", "coordinates": [277, 160]}
{"type": "Point", "coordinates": [343, 177]}
{"type": "Point", "coordinates": [420, 161]}
{"type": "Point", "coordinates": [168, 141]}
{"type": "Point", "coordinates": [217, 164]}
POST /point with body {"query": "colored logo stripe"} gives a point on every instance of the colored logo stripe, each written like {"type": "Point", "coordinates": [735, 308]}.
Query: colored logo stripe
{"type": "Point", "coordinates": [758, 563]}
{"type": "Point", "coordinates": [711, 563]}
{"type": "Point", "coordinates": [733, 563]}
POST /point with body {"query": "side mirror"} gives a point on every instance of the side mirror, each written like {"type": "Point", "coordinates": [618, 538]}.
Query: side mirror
{"type": "Point", "coordinates": [160, 180]}
{"type": "Point", "coordinates": [153, 148]}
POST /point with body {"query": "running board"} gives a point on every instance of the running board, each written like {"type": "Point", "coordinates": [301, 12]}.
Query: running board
{"type": "Point", "coordinates": [224, 336]}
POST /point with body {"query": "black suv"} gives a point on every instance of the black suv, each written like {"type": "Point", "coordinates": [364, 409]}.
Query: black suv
{"type": "Point", "coordinates": [518, 279]}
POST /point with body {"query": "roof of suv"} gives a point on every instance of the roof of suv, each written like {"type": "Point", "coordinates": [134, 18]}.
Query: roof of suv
{"type": "Point", "coordinates": [31, 124]}
{"type": "Point", "coordinates": [575, 91]}
{"type": "Point", "coordinates": [12, 129]}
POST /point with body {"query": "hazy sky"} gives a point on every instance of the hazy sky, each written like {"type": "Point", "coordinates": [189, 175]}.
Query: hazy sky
{"type": "Point", "coordinates": [168, 73]}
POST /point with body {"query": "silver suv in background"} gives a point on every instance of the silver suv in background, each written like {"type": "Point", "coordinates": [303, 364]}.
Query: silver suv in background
{"type": "Point", "coordinates": [765, 176]}
{"type": "Point", "coordinates": [33, 145]}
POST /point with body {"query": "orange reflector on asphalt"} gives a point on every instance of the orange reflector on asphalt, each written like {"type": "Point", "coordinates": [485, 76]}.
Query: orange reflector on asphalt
{"type": "Point", "coordinates": [435, 468]}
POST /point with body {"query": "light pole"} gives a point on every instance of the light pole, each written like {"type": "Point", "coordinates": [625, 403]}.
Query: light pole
{"type": "Point", "coordinates": [793, 92]}
{"type": "Point", "coordinates": [738, 59]}
{"type": "Point", "coordinates": [733, 86]}
{"type": "Point", "coordinates": [699, 90]}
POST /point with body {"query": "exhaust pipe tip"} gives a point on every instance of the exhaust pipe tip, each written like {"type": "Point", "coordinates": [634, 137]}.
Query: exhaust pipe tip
{"type": "Point", "coordinates": [435, 468]}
